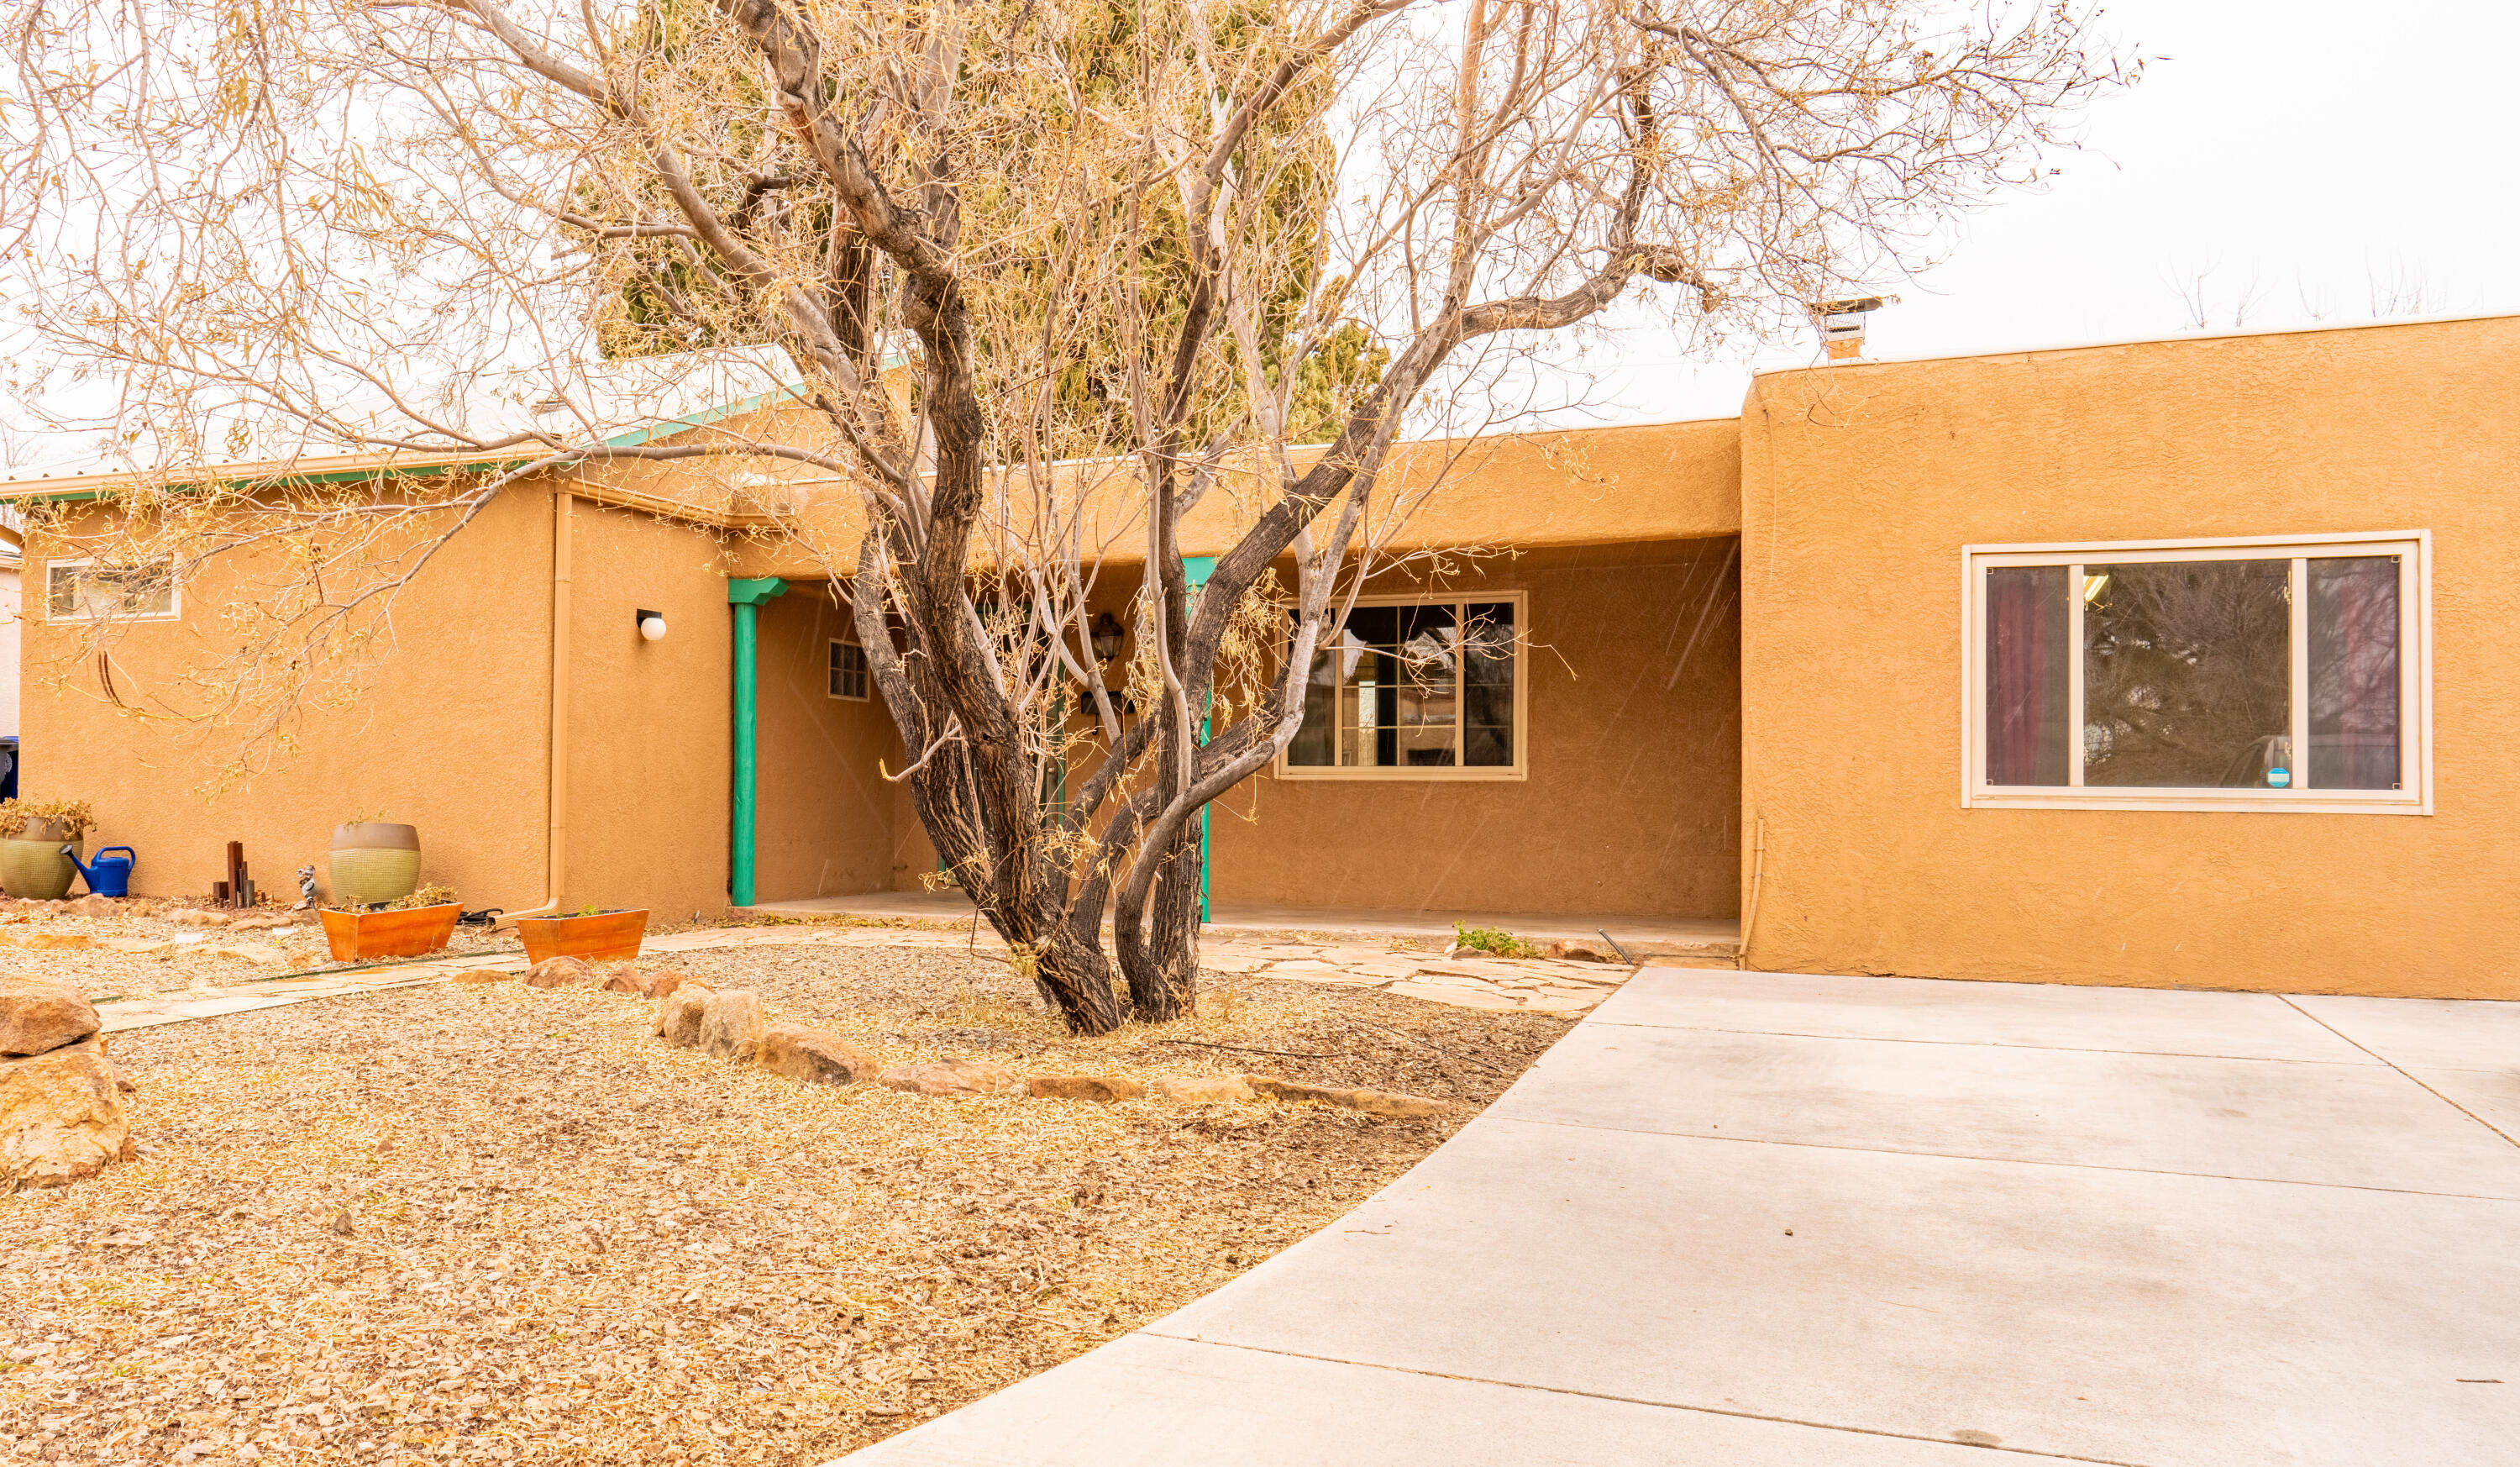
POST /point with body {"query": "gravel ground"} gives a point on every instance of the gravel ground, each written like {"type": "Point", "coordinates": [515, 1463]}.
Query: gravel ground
{"type": "Point", "coordinates": [497, 1224]}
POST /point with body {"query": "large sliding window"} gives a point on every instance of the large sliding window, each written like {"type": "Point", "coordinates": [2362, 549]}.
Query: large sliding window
{"type": "Point", "coordinates": [1417, 689]}
{"type": "Point", "coordinates": [2279, 675]}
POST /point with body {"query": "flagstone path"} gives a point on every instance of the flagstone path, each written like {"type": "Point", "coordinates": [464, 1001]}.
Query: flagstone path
{"type": "Point", "coordinates": [1544, 986]}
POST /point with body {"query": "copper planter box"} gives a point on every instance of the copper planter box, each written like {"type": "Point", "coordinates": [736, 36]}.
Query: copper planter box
{"type": "Point", "coordinates": [603, 938]}
{"type": "Point", "coordinates": [405, 933]}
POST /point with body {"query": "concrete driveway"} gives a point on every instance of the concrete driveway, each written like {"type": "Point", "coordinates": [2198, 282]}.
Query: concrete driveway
{"type": "Point", "coordinates": [1756, 1219]}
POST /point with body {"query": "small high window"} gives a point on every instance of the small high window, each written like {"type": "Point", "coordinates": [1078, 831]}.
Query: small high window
{"type": "Point", "coordinates": [1417, 689]}
{"type": "Point", "coordinates": [848, 671]}
{"type": "Point", "coordinates": [84, 591]}
{"type": "Point", "coordinates": [2278, 674]}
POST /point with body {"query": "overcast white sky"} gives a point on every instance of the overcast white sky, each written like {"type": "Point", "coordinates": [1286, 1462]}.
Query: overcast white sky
{"type": "Point", "coordinates": [2309, 148]}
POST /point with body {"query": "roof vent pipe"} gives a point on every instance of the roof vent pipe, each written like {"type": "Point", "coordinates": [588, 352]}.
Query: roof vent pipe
{"type": "Point", "coordinates": [1841, 324]}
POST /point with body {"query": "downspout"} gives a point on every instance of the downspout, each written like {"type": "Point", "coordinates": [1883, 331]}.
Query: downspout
{"type": "Point", "coordinates": [1195, 570]}
{"type": "Point", "coordinates": [748, 598]}
{"type": "Point", "coordinates": [556, 850]}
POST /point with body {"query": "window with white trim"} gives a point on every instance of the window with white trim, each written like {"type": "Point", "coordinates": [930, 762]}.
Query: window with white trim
{"type": "Point", "coordinates": [848, 670]}
{"type": "Point", "coordinates": [2289, 673]}
{"type": "Point", "coordinates": [1417, 688]}
{"type": "Point", "coordinates": [81, 591]}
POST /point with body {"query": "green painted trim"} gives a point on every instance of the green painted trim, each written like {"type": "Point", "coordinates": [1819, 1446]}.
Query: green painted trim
{"type": "Point", "coordinates": [639, 437]}
{"type": "Point", "coordinates": [748, 597]}
{"type": "Point", "coordinates": [1196, 569]}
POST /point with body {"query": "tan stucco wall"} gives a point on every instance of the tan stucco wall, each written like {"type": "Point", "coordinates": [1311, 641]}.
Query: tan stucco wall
{"type": "Point", "coordinates": [1634, 739]}
{"type": "Point", "coordinates": [1573, 487]}
{"type": "Point", "coordinates": [649, 739]}
{"type": "Point", "coordinates": [825, 821]}
{"type": "Point", "coordinates": [449, 735]}
{"type": "Point", "coordinates": [1861, 483]}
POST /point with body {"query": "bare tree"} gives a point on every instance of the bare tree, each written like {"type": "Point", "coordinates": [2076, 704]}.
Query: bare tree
{"type": "Point", "coordinates": [1035, 281]}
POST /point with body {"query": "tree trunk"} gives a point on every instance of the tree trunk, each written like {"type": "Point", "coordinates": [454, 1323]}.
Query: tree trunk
{"type": "Point", "coordinates": [1165, 985]}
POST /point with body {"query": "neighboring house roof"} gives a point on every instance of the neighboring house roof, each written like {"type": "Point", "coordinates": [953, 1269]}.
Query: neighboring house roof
{"type": "Point", "coordinates": [527, 413]}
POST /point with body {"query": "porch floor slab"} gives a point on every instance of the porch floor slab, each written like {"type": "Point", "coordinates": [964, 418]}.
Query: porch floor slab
{"type": "Point", "coordinates": [1641, 936]}
{"type": "Point", "coordinates": [1768, 1218]}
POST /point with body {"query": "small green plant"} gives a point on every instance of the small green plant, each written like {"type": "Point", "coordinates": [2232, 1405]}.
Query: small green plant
{"type": "Point", "coordinates": [588, 911]}
{"type": "Point", "coordinates": [1503, 944]}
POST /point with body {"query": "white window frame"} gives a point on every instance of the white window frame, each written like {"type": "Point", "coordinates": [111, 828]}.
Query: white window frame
{"type": "Point", "coordinates": [2414, 547]}
{"type": "Point", "coordinates": [866, 672]}
{"type": "Point", "coordinates": [44, 588]}
{"type": "Point", "coordinates": [1520, 768]}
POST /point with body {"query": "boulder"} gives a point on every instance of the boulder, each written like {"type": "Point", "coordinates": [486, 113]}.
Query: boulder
{"type": "Point", "coordinates": [1388, 1104]}
{"type": "Point", "coordinates": [678, 1015]}
{"type": "Point", "coordinates": [93, 905]}
{"type": "Point", "coordinates": [560, 973]}
{"type": "Point", "coordinates": [1585, 951]}
{"type": "Point", "coordinates": [731, 1025]}
{"type": "Point", "coordinates": [816, 1056]}
{"type": "Point", "coordinates": [60, 1116]}
{"type": "Point", "coordinates": [37, 1016]}
{"type": "Point", "coordinates": [198, 917]}
{"type": "Point", "coordinates": [622, 977]}
{"type": "Point", "coordinates": [656, 985]}
{"type": "Point", "coordinates": [1202, 1090]}
{"type": "Point", "coordinates": [1101, 1087]}
{"type": "Point", "coordinates": [950, 1078]}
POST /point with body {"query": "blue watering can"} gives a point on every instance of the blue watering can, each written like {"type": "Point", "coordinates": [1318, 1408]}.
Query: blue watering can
{"type": "Point", "coordinates": [107, 873]}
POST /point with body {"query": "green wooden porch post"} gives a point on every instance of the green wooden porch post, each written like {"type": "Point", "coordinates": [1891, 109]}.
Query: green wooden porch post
{"type": "Point", "coordinates": [748, 598]}
{"type": "Point", "coordinates": [1196, 569]}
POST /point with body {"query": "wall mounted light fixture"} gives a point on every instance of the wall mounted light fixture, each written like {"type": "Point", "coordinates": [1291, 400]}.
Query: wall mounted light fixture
{"type": "Point", "coordinates": [652, 625]}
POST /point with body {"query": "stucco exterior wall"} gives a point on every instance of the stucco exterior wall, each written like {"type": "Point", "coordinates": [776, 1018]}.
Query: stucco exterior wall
{"type": "Point", "coordinates": [651, 743]}
{"type": "Point", "coordinates": [826, 812]}
{"type": "Point", "coordinates": [449, 733]}
{"type": "Point", "coordinates": [1572, 487]}
{"type": "Point", "coordinates": [1860, 486]}
{"type": "Point", "coordinates": [1634, 753]}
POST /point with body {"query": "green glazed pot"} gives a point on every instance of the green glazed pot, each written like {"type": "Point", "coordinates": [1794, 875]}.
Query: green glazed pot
{"type": "Point", "coordinates": [373, 862]}
{"type": "Point", "coordinates": [36, 870]}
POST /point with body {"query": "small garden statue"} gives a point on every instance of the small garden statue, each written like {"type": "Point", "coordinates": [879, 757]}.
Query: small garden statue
{"type": "Point", "coordinates": [307, 885]}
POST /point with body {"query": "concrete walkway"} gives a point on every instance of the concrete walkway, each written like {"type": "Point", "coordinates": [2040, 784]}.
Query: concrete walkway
{"type": "Point", "coordinates": [1746, 1219]}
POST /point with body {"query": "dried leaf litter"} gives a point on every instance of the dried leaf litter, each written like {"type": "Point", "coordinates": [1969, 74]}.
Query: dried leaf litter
{"type": "Point", "coordinates": [499, 1223]}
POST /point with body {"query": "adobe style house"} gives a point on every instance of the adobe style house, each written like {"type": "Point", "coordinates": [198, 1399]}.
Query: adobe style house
{"type": "Point", "coordinates": [2184, 662]}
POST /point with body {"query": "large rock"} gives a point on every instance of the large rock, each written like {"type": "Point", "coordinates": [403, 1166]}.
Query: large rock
{"type": "Point", "coordinates": [1202, 1090]}
{"type": "Point", "coordinates": [678, 1015]}
{"type": "Point", "coordinates": [731, 1025]}
{"type": "Point", "coordinates": [950, 1078]}
{"type": "Point", "coordinates": [1388, 1104]}
{"type": "Point", "coordinates": [560, 972]}
{"type": "Point", "coordinates": [91, 905]}
{"type": "Point", "coordinates": [37, 1016]}
{"type": "Point", "coordinates": [815, 1056]}
{"type": "Point", "coordinates": [657, 983]}
{"type": "Point", "coordinates": [1102, 1087]}
{"type": "Point", "coordinates": [60, 1116]}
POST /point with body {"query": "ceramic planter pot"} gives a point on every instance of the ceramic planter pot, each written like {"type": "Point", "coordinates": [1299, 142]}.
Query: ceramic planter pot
{"type": "Point", "coordinates": [36, 870]}
{"type": "Point", "coordinates": [606, 937]}
{"type": "Point", "coordinates": [390, 934]}
{"type": "Point", "coordinates": [374, 862]}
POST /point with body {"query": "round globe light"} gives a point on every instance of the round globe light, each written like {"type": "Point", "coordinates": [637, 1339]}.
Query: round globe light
{"type": "Point", "coordinates": [652, 627]}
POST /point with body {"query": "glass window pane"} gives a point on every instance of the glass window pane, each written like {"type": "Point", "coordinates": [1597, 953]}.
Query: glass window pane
{"type": "Point", "coordinates": [1425, 688]}
{"type": "Point", "coordinates": [2187, 673]}
{"type": "Point", "coordinates": [1312, 744]}
{"type": "Point", "coordinates": [2353, 673]}
{"type": "Point", "coordinates": [2027, 665]}
{"type": "Point", "coordinates": [1362, 707]}
{"type": "Point", "coordinates": [1487, 684]}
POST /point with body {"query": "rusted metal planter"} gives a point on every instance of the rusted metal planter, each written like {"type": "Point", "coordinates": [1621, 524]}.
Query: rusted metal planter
{"type": "Point", "coordinates": [605, 937]}
{"type": "Point", "coordinates": [406, 934]}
